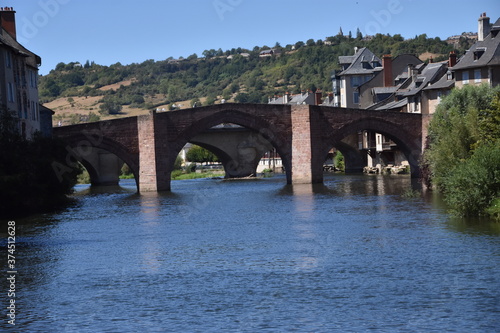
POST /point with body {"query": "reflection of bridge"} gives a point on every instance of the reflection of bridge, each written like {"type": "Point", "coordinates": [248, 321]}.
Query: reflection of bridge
{"type": "Point", "coordinates": [302, 135]}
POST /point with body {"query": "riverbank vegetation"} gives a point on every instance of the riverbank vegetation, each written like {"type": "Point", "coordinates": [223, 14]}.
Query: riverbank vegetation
{"type": "Point", "coordinates": [463, 156]}
{"type": "Point", "coordinates": [29, 182]}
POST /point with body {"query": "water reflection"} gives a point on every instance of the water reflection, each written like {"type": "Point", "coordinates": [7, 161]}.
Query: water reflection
{"type": "Point", "coordinates": [303, 197]}
{"type": "Point", "coordinates": [350, 255]}
{"type": "Point", "coordinates": [149, 220]}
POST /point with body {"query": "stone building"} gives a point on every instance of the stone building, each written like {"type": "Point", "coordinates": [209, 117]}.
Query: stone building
{"type": "Point", "coordinates": [19, 78]}
{"type": "Point", "coordinates": [481, 63]}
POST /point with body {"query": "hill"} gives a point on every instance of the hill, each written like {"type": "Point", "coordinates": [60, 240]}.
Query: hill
{"type": "Point", "coordinates": [89, 92]}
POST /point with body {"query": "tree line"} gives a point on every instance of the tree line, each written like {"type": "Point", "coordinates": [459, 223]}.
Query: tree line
{"type": "Point", "coordinates": [244, 77]}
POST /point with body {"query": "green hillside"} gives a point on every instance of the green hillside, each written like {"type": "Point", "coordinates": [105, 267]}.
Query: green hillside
{"type": "Point", "coordinates": [241, 78]}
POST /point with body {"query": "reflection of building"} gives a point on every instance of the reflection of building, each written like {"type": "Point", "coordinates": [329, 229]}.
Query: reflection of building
{"type": "Point", "coordinates": [19, 77]}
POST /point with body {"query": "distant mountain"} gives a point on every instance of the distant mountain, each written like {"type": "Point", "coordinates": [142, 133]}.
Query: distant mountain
{"type": "Point", "coordinates": [245, 76]}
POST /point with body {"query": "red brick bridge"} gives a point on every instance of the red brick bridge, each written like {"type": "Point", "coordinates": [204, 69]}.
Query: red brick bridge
{"type": "Point", "coordinates": [302, 135]}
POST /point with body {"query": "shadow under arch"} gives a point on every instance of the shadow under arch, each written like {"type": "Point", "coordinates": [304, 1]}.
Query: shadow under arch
{"type": "Point", "coordinates": [263, 128]}
{"type": "Point", "coordinates": [223, 157]}
{"type": "Point", "coordinates": [80, 148]}
{"type": "Point", "coordinates": [410, 147]}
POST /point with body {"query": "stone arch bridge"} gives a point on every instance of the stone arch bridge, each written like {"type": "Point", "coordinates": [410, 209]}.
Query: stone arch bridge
{"type": "Point", "coordinates": [301, 134]}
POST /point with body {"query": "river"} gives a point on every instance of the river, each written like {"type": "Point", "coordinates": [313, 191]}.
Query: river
{"type": "Point", "coordinates": [352, 255]}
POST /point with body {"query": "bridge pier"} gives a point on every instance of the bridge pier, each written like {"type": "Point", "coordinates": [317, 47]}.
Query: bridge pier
{"type": "Point", "coordinates": [154, 175]}
{"type": "Point", "coordinates": [307, 164]}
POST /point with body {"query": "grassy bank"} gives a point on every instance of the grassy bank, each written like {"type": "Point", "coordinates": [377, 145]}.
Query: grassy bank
{"type": "Point", "coordinates": [180, 175]}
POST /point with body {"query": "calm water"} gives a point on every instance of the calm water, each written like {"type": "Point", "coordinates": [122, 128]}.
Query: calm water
{"type": "Point", "coordinates": [257, 256]}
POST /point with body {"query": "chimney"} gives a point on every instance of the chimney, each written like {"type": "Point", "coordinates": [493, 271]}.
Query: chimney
{"type": "Point", "coordinates": [411, 70]}
{"type": "Point", "coordinates": [318, 96]}
{"type": "Point", "coordinates": [286, 98]}
{"type": "Point", "coordinates": [452, 60]}
{"type": "Point", "coordinates": [431, 60]}
{"type": "Point", "coordinates": [8, 20]}
{"type": "Point", "coordinates": [484, 27]}
{"type": "Point", "coordinates": [387, 64]}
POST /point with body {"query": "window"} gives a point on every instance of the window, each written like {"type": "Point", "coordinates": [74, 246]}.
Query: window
{"type": "Point", "coordinates": [10, 92]}
{"type": "Point", "coordinates": [355, 97]}
{"type": "Point", "coordinates": [32, 79]}
{"type": "Point", "coordinates": [8, 59]}
{"type": "Point", "coordinates": [33, 111]}
{"type": "Point", "coordinates": [478, 53]}
{"type": "Point", "coordinates": [355, 81]}
{"type": "Point", "coordinates": [477, 76]}
{"type": "Point", "coordinates": [465, 77]}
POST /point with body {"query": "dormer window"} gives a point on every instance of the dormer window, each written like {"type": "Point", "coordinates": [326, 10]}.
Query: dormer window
{"type": "Point", "coordinates": [418, 81]}
{"type": "Point", "coordinates": [494, 31]}
{"type": "Point", "coordinates": [366, 65]}
{"type": "Point", "coordinates": [478, 53]}
{"type": "Point", "coordinates": [449, 75]}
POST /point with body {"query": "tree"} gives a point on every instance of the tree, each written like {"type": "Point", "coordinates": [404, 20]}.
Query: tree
{"type": "Point", "coordinates": [298, 45]}
{"type": "Point", "coordinates": [193, 56]}
{"type": "Point", "coordinates": [35, 175]}
{"type": "Point", "coordinates": [310, 42]}
{"type": "Point", "coordinates": [464, 149]}
{"type": "Point", "coordinates": [110, 107]}
{"type": "Point", "coordinates": [195, 102]}
{"type": "Point", "coordinates": [200, 155]}
{"type": "Point", "coordinates": [359, 35]}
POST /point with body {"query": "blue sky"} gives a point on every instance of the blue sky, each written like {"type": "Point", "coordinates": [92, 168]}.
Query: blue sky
{"type": "Point", "coordinates": [126, 31]}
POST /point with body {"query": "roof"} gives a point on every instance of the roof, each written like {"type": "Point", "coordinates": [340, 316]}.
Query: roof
{"type": "Point", "coordinates": [345, 60]}
{"type": "Point", "coordinates": [298, 99]}
{"type": "Point", "coordinates": [490, 49]}
{"type": "Point", "coordinates": [7, 40]}
{"type": "Point", "coordinates": [391, 105]}
{"type": "Point", "coordinates": [431, 73]}
{"type": "Point", "coordinates": [356, 61]}
{"type": "Point", "coordinates": [442, 83]}
{"type": "Point", "coordinates": [385, 90]}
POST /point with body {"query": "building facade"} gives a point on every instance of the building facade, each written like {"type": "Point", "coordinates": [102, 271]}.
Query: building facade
{"type": "Point", "coordinates": [481, 63]}
{"type": "Point", "coordinates": [18, 77]}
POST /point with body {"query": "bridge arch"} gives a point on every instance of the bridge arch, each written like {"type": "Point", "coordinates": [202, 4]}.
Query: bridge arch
{"type": "Point", "coordinates": [83, 149]}
{"type": "Point", "coordinates": [411, 147]}
{"type": "Point", "coordinates": [265, 131]}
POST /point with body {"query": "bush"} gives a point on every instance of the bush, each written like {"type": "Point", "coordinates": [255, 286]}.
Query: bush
{"type": "Point", "coordinates": [339, 161]}
{"type": "Point", "coordinates": [178, 163]}
{"type": "Point", "coordinates": [472, 187]}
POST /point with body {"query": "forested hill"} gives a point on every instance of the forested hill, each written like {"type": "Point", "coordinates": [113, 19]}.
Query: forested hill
{"type": "Point", "coordinates": [235, 75]}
